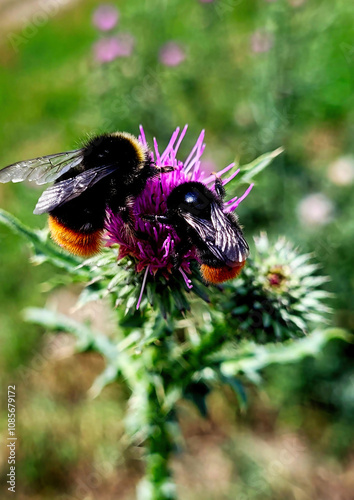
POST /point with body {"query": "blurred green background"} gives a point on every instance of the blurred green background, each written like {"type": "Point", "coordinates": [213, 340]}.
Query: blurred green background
{"type": "Point", "coordinates": [255, 75]}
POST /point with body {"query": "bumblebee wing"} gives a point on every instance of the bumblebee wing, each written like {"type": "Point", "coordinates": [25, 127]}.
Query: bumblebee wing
{"type": "Point", "coordinates": [223, 237]}
{"type": "Point", "coordinates": [43, 169]}
{"type": "Point", "coordinates": [228, 237]}
{"type": "Point", "coordinates": [206, 231]}
{"type": "Point", "coordinates": [71, 188]}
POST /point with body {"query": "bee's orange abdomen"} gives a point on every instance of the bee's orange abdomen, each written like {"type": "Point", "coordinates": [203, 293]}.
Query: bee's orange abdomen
{"type": "Point", "coordinates": [220, 274]}
{"type": "Point", "coordinates": [83, 244]}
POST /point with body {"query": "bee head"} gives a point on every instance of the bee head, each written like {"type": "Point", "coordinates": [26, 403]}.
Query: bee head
{"type": "Point", "coordinates": [191, 197]}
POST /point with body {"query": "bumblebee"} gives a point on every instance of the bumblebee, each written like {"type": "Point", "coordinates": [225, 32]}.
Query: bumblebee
{"type": "Point", "coordinates": [196, 213]}
{"type": "Point", "coordinates": [108, 172]}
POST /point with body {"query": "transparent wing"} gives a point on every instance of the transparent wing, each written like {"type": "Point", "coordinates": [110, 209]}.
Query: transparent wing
{"type": "Point", "coordinates": [44, 169]}
{"type": "Point", "coordinates": [66, 190]}
{"type": "Point", "coordinates": [228, 236]}
{"type": "Point", "coordinates": [222, 236]}
{"type": "Point", "coordinates": [206, 231]}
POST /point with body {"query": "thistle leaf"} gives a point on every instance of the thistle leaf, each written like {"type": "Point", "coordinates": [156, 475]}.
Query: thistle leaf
{"type": "Point", "coordinates": [87, 338]}
{"type": "Point", "coordinates": [251, 358]}
{"type": "Point", "coordinates": [44, 249]}
{"type": "Point", "coordinates": [108, 376]}
{"type": "Point", "coordinates": [249, 171]}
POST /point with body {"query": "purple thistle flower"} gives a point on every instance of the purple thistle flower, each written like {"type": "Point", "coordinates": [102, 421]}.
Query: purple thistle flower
{"type": "Point", "coordinates": [152, 245]}
{"type": "Point", "coordinates": [105, 17]}
{"type": "Point", "coordinates": [108, 49]}
{"type": "Point", "coordinates": [172, 54]}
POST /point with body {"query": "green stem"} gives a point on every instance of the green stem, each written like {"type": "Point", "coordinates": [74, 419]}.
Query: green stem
{"type": "Point", "coordinates": [151, 416]}
{"type": "Point", "coordinates": [158, 484]}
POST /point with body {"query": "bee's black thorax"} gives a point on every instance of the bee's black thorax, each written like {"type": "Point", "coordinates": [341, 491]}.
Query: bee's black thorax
{"type": "Point", "coordinates": [134, 167]}
{"type": "Point", "coordinates": [110, 149]}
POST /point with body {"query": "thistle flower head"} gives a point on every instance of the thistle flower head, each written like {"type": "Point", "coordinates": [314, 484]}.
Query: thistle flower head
{"type": "Point", "coordinates": [152, 245]}
{"type": "Point", "coordinates": [276, 297]}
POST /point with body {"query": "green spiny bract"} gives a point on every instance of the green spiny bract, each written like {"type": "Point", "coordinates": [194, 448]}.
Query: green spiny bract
{"type": "Point", "coordinates": [277, 296]}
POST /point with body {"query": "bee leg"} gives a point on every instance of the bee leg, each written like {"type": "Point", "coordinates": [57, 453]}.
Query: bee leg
{"type": "Point", "coordinates": [219, 188]}
{"type": "Point", "coordinates": [163, 219]}
{"type": "Point", "coordinates": [125, 213]}
{"type": "Point", "coordinates": [129, 221]}
{"type": "Point", "coordinates": [150, 218]}
{"type": "Point", "coordinates": [179, 253]}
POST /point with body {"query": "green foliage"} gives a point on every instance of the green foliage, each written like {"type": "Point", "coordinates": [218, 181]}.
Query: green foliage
{"type": "Point", "coordinates": [250, 358]}
{"type": "Point", "coordinates": [164, 358]}
{"type": "Point", "coordinates": [297, 93]}
{"type": "Point", "coordinates": [44, 249]}
{"type": "Point", "coordinates": [277, 296]}
{"type": "Point", "coordinates": [249, 171]}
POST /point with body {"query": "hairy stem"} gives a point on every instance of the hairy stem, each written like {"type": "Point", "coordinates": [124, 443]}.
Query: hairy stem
{"type": "Point", "coordinates": [158, 482]}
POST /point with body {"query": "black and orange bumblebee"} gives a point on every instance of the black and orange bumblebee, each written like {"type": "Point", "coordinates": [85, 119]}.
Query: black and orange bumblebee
{"type": "Point", "coordinates": [198, 217]}
{"type": "Point", "coordinates": [108, 172]}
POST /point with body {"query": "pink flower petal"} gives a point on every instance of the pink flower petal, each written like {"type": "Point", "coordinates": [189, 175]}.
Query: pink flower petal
{"type": "Point", "coordinates": [108, 49]}
{"type": "Point", "coordinates": [105, 17]}
{"type": "Point", "coordinates": [172, 54]}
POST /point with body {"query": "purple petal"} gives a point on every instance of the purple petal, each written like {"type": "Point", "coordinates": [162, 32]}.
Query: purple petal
{"type": "Point", "coordinates": [170, 144]}
{"type": "Point", "coordinates": [142, 138]}
{"type": "Point", "coordinates": [233, 207]}
{"type": "Point", "coordinates": [194, 151]}
{"type": "Point", "coordinates": [211, 178]}
{"type": "Point", "coordinates": [142, 287]}
{"type": "Point", "coordinates": [232, 176]}
{"type": "Point", "coordinates": [187, 281]}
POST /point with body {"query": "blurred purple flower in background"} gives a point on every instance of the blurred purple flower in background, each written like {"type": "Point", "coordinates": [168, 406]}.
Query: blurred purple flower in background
{"type": "Point", "coordinates": [341, 171]}
{"type": "Point", "coordinates": [108, 49]}
{"type": "Point", "coordinates": [261, 42]}
{"type": "Point", "coordinates": [172, 54]}
{"type": "Point", "coordinates": [208, 166]}
{"type": "Point", "coordinates": [315, 210]}
{"type": "Point", "coordinates": [105, 17]}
